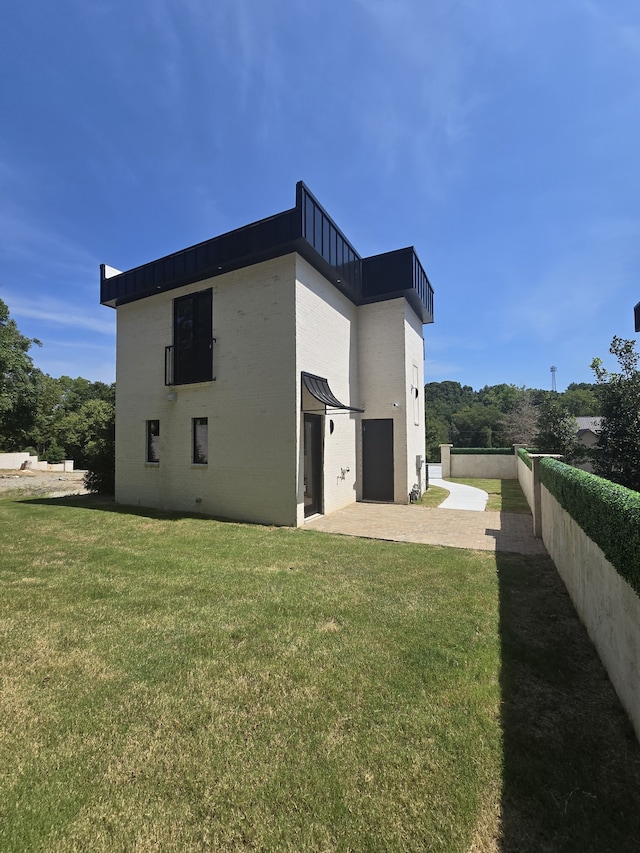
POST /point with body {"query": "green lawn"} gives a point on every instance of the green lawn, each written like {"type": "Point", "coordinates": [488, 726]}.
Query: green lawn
{"type": "Point", "coordinates": [504, 495]}
{"type": "Point", "coordinates": [179, 684]}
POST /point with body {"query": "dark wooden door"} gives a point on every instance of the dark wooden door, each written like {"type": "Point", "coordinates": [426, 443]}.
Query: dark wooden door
{"type": "Point", "coordinates": [377, 459]}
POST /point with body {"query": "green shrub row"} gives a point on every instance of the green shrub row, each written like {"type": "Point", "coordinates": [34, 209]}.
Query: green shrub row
{"type": "Point", "coordinates": [524, 455]}
{"type": "Point", "coordinates": [482, 451]}
{"type": "Point", "coordinates": [608, 513]}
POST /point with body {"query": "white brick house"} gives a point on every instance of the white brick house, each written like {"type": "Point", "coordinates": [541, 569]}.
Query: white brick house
{"type": "Point", "coordinates": [270, 373]}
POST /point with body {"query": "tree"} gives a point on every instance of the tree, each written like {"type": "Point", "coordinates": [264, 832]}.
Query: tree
{"type": "Point", "coordinates": [581, 402]}
{"type": "Point", "coordinates": [504, 397]}
{"type": "Point", "coordinates": [101, 461]}
{"type": "Point", "coordinates": [557, 428]}
{"type": "Point", "coordinates": [618, 453]}
{"type": "Point", "coordinates": [520, 424]}
{"type": "Point", "coordinates": [476, 426]}
{"type": "Point", "coordinates": [436, 433]}
{"type": "Point", "coordinates": [18, 384]}
{"type": "Point", "coordinates": [75, 430]}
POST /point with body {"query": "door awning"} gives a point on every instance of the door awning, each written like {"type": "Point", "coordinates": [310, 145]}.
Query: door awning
{"type": "Point", "coordinates": [319, 388]}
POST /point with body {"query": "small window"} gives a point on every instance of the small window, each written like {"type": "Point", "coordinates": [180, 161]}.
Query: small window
{"type": "Point", "coordinates": [153, 441]}
{"type": "Point", "coordinates": [200, 441]}
{"type": "Point", "coordinates": [415, 393]}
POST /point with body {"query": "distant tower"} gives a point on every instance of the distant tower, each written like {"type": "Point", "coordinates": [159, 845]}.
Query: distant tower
{"type": "Point", "coordinates": [553, 378]}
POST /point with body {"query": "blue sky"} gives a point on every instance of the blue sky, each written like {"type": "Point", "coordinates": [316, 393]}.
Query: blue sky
{"type": "Point", "coordinates": [501, 138]}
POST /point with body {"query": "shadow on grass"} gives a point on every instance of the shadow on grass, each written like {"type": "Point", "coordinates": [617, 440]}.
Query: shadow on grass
{"type": "Point", "coordinates": [512, 497]}
{"type": "Point", "coordinates": [571, 775]}
{"type": "Point", "coordinates": [106, 503]}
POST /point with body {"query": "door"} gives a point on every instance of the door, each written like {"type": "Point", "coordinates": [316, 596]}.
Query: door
{"type": "Point", "coordinates": [377, 459]}
{"type": "Point", "coordinates": [312, 464]}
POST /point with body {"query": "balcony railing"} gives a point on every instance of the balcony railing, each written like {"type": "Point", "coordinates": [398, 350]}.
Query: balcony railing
{"type": "Point", "coordinates": [321, 232]}
{"type": "Point", "coordinates": [185, 364]}
{"type": "Point", "coordinates": [306, 229]}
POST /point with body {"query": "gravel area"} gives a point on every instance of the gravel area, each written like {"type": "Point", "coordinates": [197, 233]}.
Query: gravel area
{"type": "Point", "coordinates": [52, 483]}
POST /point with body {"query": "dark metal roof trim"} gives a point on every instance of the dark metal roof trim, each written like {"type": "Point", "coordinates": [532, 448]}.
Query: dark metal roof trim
{"type": "Point", "coordinates": [306, 229]}
{"type": "Point", "coordinates": [319, 388]}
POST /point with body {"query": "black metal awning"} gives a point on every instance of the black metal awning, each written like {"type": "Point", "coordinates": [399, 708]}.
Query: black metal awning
{"type": "Point", "coordinates": [318, 387]}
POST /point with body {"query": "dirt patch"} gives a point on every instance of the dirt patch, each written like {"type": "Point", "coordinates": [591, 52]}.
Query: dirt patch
{"type": "Point", "coordinates": [52, 483]}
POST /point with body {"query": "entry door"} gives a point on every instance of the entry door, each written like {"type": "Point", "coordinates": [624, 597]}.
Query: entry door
{"type": "Point", "coordinates": [312, 464]}
{"type": "Point", "coordinates": [377, 459]}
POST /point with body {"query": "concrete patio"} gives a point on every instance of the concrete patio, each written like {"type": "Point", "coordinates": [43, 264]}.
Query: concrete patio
{"type": "Point", "coordinates": [456, 528]}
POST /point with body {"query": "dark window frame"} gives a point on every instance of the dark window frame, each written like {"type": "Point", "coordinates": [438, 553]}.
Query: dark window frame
{"type": "Point", "coordinates": [199, 455]}
{"type": "Point", "coordinates": [192, 350]}
{"type": "Point", "coordinates": [153, 442]}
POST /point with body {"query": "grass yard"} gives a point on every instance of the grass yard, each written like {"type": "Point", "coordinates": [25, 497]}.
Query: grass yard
{"type": "Point", "coordinates": [504, 495]}
{"type": "Point", "coordinates": [180, 684]}
{"type": "Point", "coordinates": [433, 497]}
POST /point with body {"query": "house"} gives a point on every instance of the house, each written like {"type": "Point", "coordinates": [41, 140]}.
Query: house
{"type": "Point", "coordinates": [270, 373]}
{"type": "Point", "coordinates": [588, 431]}
{"type": "Point", "coordinates": [588, 434]}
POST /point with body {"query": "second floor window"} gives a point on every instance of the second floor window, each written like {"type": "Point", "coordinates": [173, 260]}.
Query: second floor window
{"type": "Point", "coordinates": [193, 338]}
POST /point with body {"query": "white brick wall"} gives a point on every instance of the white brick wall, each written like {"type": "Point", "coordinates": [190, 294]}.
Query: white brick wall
{"type": "Point", "coordinates": [390, 345]}
{"type": "Point", "coordinates": [414, 408]}
{"type": "Point", "coordinates": [326, 335]}
{"type": "Point", "coordinates": [250, 407]}
{"type": "Point", "coordinates": [271, 321]}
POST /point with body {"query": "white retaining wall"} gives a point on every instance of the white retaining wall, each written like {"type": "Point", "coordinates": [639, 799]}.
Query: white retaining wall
{"type": "Point", "coordinates": [525, 478]}
{"type": "Point", "coordinates": [481, 465]}
{"type": "Point", "coordinates": [15, 461]}
{"type": "Point", "coordinates": [608, 607]}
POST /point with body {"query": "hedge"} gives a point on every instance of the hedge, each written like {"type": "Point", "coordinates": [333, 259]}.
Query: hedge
{"type": "Point", "coordinates": [524, 455]}
{"type": "Point", "coordinates": [608, 513]}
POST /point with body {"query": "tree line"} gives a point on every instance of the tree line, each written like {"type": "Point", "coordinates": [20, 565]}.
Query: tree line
{"type": "Point", "coordinates": [54, 418]}
{"type": "Point", "coordinates": [503, 415]}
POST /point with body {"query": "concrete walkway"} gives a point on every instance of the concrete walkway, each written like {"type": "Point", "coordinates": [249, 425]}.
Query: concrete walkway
{"type": "Point", "coordinates": [485, 531]}
{"type": "Point", "coordinates": [460, 496]}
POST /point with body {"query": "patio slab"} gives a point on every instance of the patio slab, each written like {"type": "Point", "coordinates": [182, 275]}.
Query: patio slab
{"type": "Point", "coordinates": [484, 531]}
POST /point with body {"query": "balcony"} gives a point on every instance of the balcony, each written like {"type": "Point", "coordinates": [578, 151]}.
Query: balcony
{"type": "Point", "coordinates": [188, 364]}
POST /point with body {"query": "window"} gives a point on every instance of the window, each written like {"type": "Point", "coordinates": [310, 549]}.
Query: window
{"type": "Point", "coordinates": [153, 441]}
{"type": "Point", "coordinates": [200, 441]}
{"type": "Point", "coordinates": [415, 393]}
{"type": "Point", "coordinates": [193, 338]}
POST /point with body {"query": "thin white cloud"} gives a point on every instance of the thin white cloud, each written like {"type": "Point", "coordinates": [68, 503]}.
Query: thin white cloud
{"type": "Point", "coordinates": [29, 243]}
{"type": "Point", "coordinates": [569, 299]}
{"type": "Point", "coordinates": [421, 117]}
{"type": "Point", "coordinates": [613, 30]}
{"type": "Point", "coordinates": [57, 312]}
{"type": "Point", "coordinates": [439, 371]}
